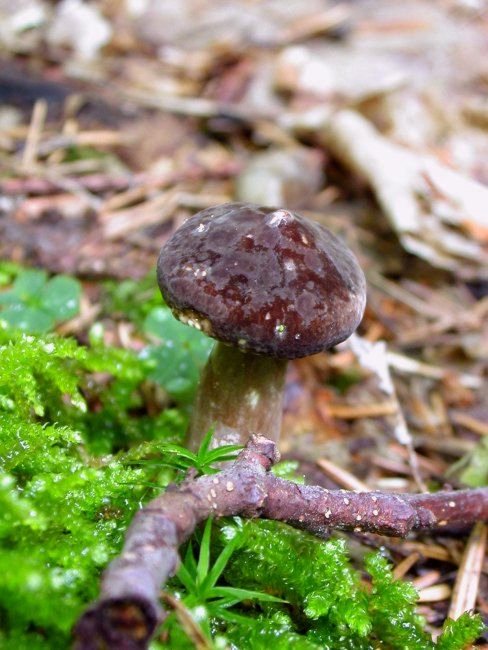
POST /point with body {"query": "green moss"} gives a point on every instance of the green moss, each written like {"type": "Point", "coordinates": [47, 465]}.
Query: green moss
{"type": "Point", "coordinates": [65, 507]}
{"type": "Point", "coordinates": [325, 601]}
{"type": "Point", "coordinates": [459, 633]}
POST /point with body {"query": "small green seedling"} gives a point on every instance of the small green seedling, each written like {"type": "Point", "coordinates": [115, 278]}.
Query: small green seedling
{"type": "Point", "coordinates": [204, 461]}
{"type": "Point", "coordinates": [200, 578]}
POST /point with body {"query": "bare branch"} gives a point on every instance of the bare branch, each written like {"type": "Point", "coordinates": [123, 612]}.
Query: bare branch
{"type": "Point", "coordinates": [128, 610]}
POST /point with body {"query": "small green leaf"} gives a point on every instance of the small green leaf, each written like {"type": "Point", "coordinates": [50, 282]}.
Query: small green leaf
{"type": "Point", "coordinates": [225, 452]}
{"type": "Point", "coordinates": [243, 594]}
{"type": "Point", "coordinates": [180, 355]}
{"type": "Point", "coordinates": [34, 304]}
{"type": "Point", "coordinates": [8, 271]}
{"type": "Point", "coordinates": [27, 319]}
{"type": "Point", "coordinates": [9, 297]}
{"type": "Point", "coordinates": [287, 469]}
{"type": "Point", "coordinates": [190, 561]}
{"type": "Point", "coordinates": [29, 283]}
{"type": "Point", "coordinates": [182, 452]}
{"type": "Point", "coordinates": [61, 297]}
{"type": "Point", "coordinates": [220, 563]}
{"type": "Point", "coordinates": [472, 469]}
{"type": "Point", "coordinates": [205, 444]}
{"type": "Point", "coordinates": [204, 556]}
{"type": "Point", "coordinates": [186, 579]}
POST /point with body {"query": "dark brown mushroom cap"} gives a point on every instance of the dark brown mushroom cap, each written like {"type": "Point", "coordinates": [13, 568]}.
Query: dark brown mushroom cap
{"type": "Point", "coordinates": [264, 279]}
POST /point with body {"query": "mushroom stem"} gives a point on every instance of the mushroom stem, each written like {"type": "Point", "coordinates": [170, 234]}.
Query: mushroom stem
{"type": "Point", "coordinates": [239, 394]}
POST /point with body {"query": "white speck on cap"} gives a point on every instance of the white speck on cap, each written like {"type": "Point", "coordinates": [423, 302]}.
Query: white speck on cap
{"type": "Point", "coordinates": [278, 217]}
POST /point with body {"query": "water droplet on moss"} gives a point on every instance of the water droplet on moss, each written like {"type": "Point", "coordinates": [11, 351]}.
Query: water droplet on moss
{"type": "Point", "coordinates": [33, 581]}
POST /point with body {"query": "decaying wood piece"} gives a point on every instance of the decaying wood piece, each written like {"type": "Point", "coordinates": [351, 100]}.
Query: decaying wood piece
{"type": "Point", "coordinates": [438, 213]}
{"type": "Point", "coordinates": [129, 610]}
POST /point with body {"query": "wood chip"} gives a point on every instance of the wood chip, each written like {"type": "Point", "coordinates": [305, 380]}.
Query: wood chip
{"type": "Point", "coordinates": [427, 579]}
{"type": "Point", "coordinates": [432, 551]}
{"type": "Point", "coordinates": [434, 594]}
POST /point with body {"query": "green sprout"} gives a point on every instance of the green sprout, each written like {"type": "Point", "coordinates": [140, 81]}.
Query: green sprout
{"type": "Point", "coordinates": [203, 595]}
{"type": "Point", "coordinates": [203, 461]}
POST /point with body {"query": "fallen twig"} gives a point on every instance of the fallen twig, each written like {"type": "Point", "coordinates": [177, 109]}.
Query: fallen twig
{"type": "Point", "coordinates": [101, 183]}
{"type": "Point", "coordinates": [129, 610]}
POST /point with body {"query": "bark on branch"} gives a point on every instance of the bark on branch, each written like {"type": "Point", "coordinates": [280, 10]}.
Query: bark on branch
{"type": "Point", "coordinates": [128, 610]}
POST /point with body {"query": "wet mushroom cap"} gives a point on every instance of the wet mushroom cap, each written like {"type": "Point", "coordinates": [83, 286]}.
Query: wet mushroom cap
{"type": "Point", "coordinates": [266, 280]}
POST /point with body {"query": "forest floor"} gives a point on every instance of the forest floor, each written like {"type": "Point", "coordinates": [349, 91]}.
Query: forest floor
{"type": "Point", "coordinates": [118, 120]}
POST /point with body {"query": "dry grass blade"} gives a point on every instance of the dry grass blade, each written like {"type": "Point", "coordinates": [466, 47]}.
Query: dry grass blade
{"type": "Point", "coordinates": [34, 134]}
{"type": "Point", "coordinates": [405, 364]}
{"type": "Point", "coordinates": [188, 623]}
{"type": "Point", "coordinates": [374, 357]}
{"type": "Point", "coordinates": [341, 476]}
{"type": "Point", "coordinates": [154, 211]}
{"type": "Point", "coordinates": [83, 139]}
{"type": "Point", "coordinates": [375, 410]}
{"type": "Point", "coordinates": [467, 581]}
{"type": "Point", "coordinates": [405, 565]}
{"type": "Point", "coordinates": [86, 317]}
{"type": "Point", "coordinates": [432, 551]}
{"type": "Point", "coordinates": [471, 423]}
{"type": "Point", "coordinates": [320, 23]}
{"type": "Point", "coordinates": [427, 580]}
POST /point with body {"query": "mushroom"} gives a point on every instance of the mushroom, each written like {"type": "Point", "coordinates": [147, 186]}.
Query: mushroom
{"type": "Point", "coordinates": [270, 286]}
